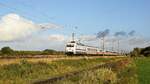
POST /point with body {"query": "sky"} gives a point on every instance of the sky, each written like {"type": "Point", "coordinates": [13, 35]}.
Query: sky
{"type": "Point", "coordinates": [48, 24]}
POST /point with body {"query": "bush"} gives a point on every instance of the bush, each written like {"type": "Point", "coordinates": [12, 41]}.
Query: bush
{"type": "Point", "coordinates": [7, 50]}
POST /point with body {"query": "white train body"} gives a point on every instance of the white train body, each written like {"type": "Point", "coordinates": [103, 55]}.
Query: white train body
{"type": "Point", "coordinates": [74, 47]}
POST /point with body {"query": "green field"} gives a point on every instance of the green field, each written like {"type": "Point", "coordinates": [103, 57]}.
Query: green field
{"type": "Point", "coordinates": [143, 70]}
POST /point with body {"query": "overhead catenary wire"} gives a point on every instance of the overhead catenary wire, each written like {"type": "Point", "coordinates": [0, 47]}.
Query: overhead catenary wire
{"type": "Point", "coordinates": [16, 10]}
{"type": "Point", "coordinates": [43, 14]}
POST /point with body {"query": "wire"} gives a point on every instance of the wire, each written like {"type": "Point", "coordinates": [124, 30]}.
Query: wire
{"type": "Point", "coordinates": [29, 5]}
{"type": "Point", "coordinates": [14, 9]}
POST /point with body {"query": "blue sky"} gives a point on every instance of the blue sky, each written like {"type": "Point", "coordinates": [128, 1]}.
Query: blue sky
{"type": "Point", "coordinates": [90, 16]}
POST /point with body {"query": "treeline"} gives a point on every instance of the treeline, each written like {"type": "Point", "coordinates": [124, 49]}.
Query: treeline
{"type": "Point", "coordinates": [7, 51]}
{"type": "Point", "coordinates": [141, 52]}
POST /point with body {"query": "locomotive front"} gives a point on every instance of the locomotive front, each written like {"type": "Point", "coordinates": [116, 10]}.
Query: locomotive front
{"type": "Point", "coordinates": [70, 47]}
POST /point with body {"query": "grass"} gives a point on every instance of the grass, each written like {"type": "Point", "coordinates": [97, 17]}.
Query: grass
{"type": "Point", "coordinates": [143, 69]}
{"type": "Point", "coordinates": [128, 74]}
{"type": "Point", "coordinates": [48, 60]}
{"type": "Point", "coordinates": [99, 76]}
{"type": "Point", "coordinates": [26, 72]}
{"type": "Point", "coordinates": [121, 73]}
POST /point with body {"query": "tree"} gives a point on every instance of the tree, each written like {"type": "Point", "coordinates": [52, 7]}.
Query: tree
{"type": "Point", "coordinates": [7, 50]}
{"type": "Point", "coordinates": [136, 52]}
{"type": "Point", "coordinates": [146, 51]}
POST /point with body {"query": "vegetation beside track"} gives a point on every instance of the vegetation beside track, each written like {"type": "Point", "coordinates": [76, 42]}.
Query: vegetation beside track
{"type": "Point", "coordinates": [122, 72]}
{"type": "Point", "coordinates": [26, 72]}
{"type": "Point", "coordinates": [50, 58]}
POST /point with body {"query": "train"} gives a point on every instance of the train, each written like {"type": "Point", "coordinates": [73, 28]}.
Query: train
{"type": "Point", "coordinates": [77, 48]}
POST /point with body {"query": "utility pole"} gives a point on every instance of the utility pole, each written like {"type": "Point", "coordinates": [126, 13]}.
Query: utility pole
{"type": "Point", "coordinates": [118, 46]}
{"type": "Point", "coordinates": [103, 40]}
{"type": "Point", "coordinates": [113, 45]}
{"type": "Point", "coordinates": [73, 34]}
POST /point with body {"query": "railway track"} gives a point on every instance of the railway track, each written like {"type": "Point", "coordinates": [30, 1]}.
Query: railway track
{"type": "Point", "coordinates": [31, 56]}
{"type": "Point", "coordinates": [72, 74]}
{"type": "Point", "coordinates": [54, 56]}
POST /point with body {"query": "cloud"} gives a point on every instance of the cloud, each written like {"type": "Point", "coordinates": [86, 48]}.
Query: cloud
{"type": "Point", "coordinates": [111, 39]}
{"type": "Point", "coordinates": [137, 41]}
{"type": "Point", "coordinates": [103, 33]}
{"type": "Point", "coordinates": [49, 25]}
{"type": "Point", "coordinates": [35, 43]}
{"type": "Point", "coordinates": [88, 38]}
{"type": "Point", "coordinates": [14, 27]}
{"type": "Point", "coordinates": [120, 33]}
{"type": "Point", "coordinates": [56, 37]}
{"type": "Point", "coordinates": [123, 33]}
{"type": "Point", "coordinates": [131, 33]}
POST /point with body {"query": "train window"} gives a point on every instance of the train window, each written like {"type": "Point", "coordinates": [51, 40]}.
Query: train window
{"type": "Point", "coordinates": [72, 42]}
{"type": "Point", "coordinates": [70, 45]}
{"type": "Point", "coordinates": [91, 49]}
